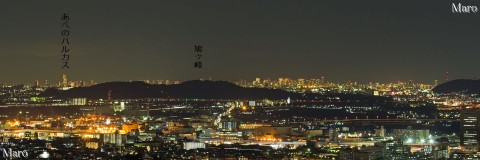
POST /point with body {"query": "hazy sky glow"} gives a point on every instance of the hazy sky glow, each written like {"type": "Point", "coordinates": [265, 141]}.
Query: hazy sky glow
{"type": "Point", "coordinates": [358, 40]}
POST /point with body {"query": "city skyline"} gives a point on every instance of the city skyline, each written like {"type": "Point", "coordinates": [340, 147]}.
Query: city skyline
{"type": "Point", "coordinates": [359, 41]}
{"type": "Point", "coordinates": [252, 79]}
{"type": "Point", "coordinates": [214, 79]}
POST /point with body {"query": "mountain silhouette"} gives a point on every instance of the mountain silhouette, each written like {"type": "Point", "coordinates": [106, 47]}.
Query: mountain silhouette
{"type": "Point", "coordinates": [467, 86]}
{"type": "Point", "coordinates": [189, 89]}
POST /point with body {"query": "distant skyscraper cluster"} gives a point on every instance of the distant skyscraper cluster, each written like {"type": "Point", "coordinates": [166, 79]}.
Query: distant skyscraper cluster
{"type": "Point", "coordinates": [320, 85]}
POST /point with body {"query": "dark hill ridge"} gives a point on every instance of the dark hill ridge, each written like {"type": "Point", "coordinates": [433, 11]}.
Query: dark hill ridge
{"type": "Point", "coordinates": [100, 91]}
{"type": "Point", "coordinates": [468, 86]}
{"type": "Point", "coordinates": [189, 89]}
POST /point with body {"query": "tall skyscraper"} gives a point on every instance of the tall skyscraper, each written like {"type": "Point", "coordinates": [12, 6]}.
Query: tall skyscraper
{"type": "Point", "coordinates": [469, 128]}
{"type": "Point", "coordinates": [65, 81]}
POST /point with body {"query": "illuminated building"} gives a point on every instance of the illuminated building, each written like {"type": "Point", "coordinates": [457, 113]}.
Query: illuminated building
{"type": "Point", "coordinates": [78, 101]}
{"type": "Point", "coordinates": [380, 132]}
{"type": "Point", "coordinates": [469, 128]}
{"type": "Point", "coordinates": [193, 145]}
{"type": "Point", "coordinates": [252, 125]}
{"type": "Point", "coordinates": [395, 150]}
{"type": "Point", "coordinates": [65, 81]}
{"type": "Point", "coordinates": [37, 99]}
{"type": "Point", "coordinates": [316, 132]}
{"type": "Point", "coordinates": [228, 124]}
{"type": "Point", "coordinates": [198, 124]}
{"type": "Point", "coordinates": [364, 153]}
{"type": "Point", "coordinates": [129, 127]}
{"type": "Point", "coordinates": [410, 135]}
{"type": "Point", "coordinates": [272, 133]}
{"type": "Point", "coordinates": [115, 139]}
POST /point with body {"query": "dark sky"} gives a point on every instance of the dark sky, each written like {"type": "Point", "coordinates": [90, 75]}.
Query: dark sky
{"type": "Point", "coordinates": [379, 41]}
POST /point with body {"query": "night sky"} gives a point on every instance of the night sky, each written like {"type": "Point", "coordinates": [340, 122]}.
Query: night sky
{"type": "Point", "coordinates": [379, 41]}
